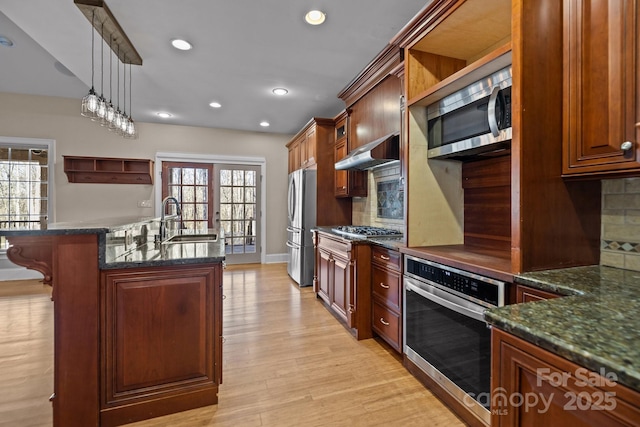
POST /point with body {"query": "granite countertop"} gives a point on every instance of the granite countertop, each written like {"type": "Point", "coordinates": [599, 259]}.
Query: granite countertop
{"type": "Point", "coordinates": [115, 253]}
{"type": "Point", "coordinates": [597, 325]}
{"type": "Point", "coordinates": [393, 243]}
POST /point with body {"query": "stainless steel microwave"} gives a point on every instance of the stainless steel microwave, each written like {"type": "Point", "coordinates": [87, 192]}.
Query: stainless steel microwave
{"type": "Point", "coordinates": [473, 120]}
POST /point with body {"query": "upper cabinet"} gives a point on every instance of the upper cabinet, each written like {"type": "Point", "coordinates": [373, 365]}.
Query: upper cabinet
{"type": "Point", "coordinates": [601, 87]}
{"type": "Point", "coordinates": [313, 147]}
{"type": "Point", "coordinates": [347, 183]}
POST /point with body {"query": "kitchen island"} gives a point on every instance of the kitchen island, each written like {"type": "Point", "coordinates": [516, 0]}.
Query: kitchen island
{"type": "Point", "coordinates": [579, 350]}
{"type": "Point", "coordinates": [137, 320]}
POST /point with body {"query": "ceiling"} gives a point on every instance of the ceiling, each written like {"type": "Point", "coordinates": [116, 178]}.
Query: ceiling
{"type": "Point", "coordinates": [241, 51]}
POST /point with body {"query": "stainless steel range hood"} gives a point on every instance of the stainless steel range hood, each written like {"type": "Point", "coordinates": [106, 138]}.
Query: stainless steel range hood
{"type": "Point", "coordinates": [374, 153]}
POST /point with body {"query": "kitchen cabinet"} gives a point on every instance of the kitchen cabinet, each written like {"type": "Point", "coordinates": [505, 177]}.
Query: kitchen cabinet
{"type": "Point", "coordinates": [168, 352]}
{"type": "Point", "coordinates": [108, 170]}
{"type": "Point", "coordinates": [574, 396]}
{"type": "Point", "coordinates": [294, 155]}
{"type": "Point", "coordinates": [342, 280]}
{"type": "Point", "coordinates": [315, 144]}
{"type": "Point", "coordinates": [529, 294]}
{"type": "Point", "coordinates": [386, 291]}
{"type": "Point", "coordinates": [515, 212]}
{"type": "Point", "coordinates": [302, 149]}
{"type": "Point", "coordinates": [601, 88]}
{"type": "Point", "coordinates": [347, 183]}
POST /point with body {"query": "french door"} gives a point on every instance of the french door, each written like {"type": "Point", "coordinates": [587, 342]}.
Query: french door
{"type": "Point", "coordinates": [215, 195]}
{"type": "Point", "coordinates": [237, 197]}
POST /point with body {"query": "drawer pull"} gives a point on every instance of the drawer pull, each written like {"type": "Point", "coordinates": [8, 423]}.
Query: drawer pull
{"type": "Point", "coordinates": [385, 323]}
{"type": "Point", "coordinates": [383, 285]}
{"type": "Point", "coordinates": [386, 258]}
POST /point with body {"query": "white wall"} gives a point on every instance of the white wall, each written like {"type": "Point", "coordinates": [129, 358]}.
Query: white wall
{"type": "Point", "coordinates": [59, 119]}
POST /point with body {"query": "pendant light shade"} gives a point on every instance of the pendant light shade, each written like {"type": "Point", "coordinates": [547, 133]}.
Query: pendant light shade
{"type": "Point", "coordinates": [89, 105]}
{"type": "Point", "coordinates": [131, 131]}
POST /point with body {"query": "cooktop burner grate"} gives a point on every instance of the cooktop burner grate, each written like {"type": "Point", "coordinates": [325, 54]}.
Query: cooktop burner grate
{"type": "Point", "coordinates": [365, 231]}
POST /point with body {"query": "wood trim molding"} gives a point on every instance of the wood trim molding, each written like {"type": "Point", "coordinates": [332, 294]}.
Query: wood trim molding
{"type": "Point", "coordinates": [426, 17]}
{"type": "Point", "coordinates": [376, 71]}
{"type": "Point", "coordinates": [32, 254]}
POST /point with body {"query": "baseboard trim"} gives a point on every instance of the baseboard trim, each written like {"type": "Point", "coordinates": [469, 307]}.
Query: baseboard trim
{"type": "Point", "coordinates": [275, 258]}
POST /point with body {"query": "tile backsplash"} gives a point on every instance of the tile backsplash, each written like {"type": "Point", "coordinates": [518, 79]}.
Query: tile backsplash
{"type": "Point", "coordinates": [620, 232]}
{"type": "Point", "coordinates": [383, 207]}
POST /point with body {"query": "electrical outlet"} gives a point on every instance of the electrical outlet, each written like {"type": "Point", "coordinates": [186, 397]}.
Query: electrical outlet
{"type": "Point", "coordinates": [144, 203]}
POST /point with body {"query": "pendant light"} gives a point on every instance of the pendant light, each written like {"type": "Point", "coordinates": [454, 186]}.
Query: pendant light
{"type": "Point", "coordinates": [89, 104]}
{"type": "Point", "coordinates": [111, 111]}
{"type": "Point", "coordinates": [117, 118]}
{"type": "Point", "coordinates": [125, 119]}
{"type": "Point", "coordinates": [132, 132]}
{"type": "Point", "coordinates": [102, 102]}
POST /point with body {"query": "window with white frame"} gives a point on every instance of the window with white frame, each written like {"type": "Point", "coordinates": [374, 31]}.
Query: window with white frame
{"type": "Point", "coordinates": [24, 185]}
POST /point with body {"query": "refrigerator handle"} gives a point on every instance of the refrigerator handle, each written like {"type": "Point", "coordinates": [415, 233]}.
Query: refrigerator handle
{"type": "Point", "coordinates": [293, 230]}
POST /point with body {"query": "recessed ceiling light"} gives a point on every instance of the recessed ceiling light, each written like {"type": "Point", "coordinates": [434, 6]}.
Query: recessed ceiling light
{"type": "Point", "coordinates": [264, 124]}
{"type": "Point", "coordinates": [164, 115]}
{"type": "Point", "coordinates": [215, 104]}
{"type": "Point", "coordinates": [6, 41]}
{"type": "Point", "coordinates": [315, 17]}
{"type": "Point", "coordinates": [181, 44]}
{"type": "Point", "coordinates": [280, 91]}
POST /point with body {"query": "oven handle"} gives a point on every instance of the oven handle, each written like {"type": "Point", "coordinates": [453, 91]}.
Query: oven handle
{"type": "Point", "coordinates": [491, 112]}
{"type": "Point", "coordinates": [446, 300]}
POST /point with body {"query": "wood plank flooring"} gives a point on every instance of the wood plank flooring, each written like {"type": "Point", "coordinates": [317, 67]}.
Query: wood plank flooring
{"type": "Point", "coordinates": [287, 362]}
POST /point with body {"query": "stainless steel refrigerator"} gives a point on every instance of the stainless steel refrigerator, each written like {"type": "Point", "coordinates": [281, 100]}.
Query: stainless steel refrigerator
{"type": "Point", "coordinates": [301, 213]}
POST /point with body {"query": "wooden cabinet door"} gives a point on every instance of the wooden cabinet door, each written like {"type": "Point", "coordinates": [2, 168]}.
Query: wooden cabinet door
{"type": "Point", "coordinates": [601, 79]}
{"type": "Point", "coordinates": [160, 338]}
{"type": "Point", "coordinates": [342, 301]}
{"type": "Point", "coordinates": [294, 156]}
{"type": "Point", "coordinates": [309, 143]}
{"type": "Point", "coordinates": [341, 175]}
{"type": "Point", "coordinates": [325, 273]}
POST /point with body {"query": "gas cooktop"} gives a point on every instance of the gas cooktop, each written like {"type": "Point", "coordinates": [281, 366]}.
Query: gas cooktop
{"type": "Point", "coordinates": [365, 231]}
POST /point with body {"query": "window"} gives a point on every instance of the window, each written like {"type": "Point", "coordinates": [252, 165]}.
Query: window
{"type": "Point", "coordinates": [24, 185]}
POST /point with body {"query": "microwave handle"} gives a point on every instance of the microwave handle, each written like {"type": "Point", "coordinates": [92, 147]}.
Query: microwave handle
{"type": "Point", "coordinates": [491, 111]}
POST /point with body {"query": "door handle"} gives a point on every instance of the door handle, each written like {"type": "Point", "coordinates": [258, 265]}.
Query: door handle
{"type": "Point", "coordinates": [384, 322]}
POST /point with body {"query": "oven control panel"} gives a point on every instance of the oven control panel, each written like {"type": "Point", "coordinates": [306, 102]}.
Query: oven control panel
{"type": "Point", "coordinates": [462, 282]}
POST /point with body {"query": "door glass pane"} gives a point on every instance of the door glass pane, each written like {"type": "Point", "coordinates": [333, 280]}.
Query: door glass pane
{"type": "Point", "coordinates": [201, 176]}
{"type": "Point", "coordinates": [225, 177]}
{"type": "Point", "coordinates": [174, 176]}
{"type": "Point", "coordinates": [238, 177]}
{"type": "Point", "coordinates": [250, 194]}
{"type": "Point", "coordinates": [188, 176]}
{"type": "Point", "coordinates": [250, 178]}
{"type": "Point", "coordinates": [188, 195]}
{"type": "Point", "coordinates": [225, 194]}
{"type": "Point", "coordinates": [238, 195]}
{"type": "Point", "coordinates": [201, 194]}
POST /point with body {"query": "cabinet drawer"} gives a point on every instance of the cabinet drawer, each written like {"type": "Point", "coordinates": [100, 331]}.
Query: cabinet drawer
{"type": "Point", "coordinates": [386, 286]}
{"type": "Point", "coordinates": [387, 324]}
{"type": "Point", "coordinates": [386, 257]}
{"type": "Point", "coordinates": [527, 294]}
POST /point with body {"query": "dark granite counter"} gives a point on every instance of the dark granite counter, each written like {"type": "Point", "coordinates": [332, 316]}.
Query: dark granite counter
{"type": "Point", "coordinates": [127, 242]}
{"type": "Point", "coordinates": [597, 325]}
{"type": "Point", "coordinates": [393, 243]}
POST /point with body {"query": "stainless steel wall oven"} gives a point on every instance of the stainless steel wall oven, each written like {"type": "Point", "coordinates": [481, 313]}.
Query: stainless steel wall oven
{"type": "Point", "coordinates": [445, 333]}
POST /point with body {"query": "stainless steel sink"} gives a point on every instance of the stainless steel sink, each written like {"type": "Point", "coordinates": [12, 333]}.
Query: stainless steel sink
{"type": "Point", "coordinates": [192, 238]}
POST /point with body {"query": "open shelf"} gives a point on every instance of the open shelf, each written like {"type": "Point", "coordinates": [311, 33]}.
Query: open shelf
{"type": "Point", "coordinates": [106, 170]}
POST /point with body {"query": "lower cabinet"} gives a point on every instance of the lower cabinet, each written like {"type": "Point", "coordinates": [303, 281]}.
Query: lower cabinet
{"type": "Point", "coordinates": [534, 387]}
{"type": "Point", "coordinates": [161, 341]}
{"type": "Point", "coordinates": [342, 280]}
{"type": "Point", "coordinates": [387, 295]}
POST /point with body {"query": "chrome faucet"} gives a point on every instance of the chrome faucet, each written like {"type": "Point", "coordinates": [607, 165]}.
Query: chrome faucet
{"type": "Point", "coordinates": [163, 218]}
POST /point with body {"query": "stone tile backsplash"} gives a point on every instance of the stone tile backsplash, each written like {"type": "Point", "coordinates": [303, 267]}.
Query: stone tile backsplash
{"type": "Point", "coordinates": [383, 207]}
{"type": "Point", "coordinates": [620, 232]}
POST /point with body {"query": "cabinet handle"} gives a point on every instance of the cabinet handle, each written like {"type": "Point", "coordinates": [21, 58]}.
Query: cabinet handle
{"type": "Point", "coordinates": [626, 146]}
{"type": "Point", "coordinates": [53, 396]}
{"type": "Point", "coordinates": [386, 258]}
{"type": "Point", "coordinates": [384, 322]}
{"type": "Point", "coordinates": [383, 285]}
{"type": "Point", "coordinates": [344, 188]}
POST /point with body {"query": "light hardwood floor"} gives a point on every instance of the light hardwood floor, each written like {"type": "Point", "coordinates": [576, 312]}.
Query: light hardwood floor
{"type": "Point", "coordinates": [287, 362]}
